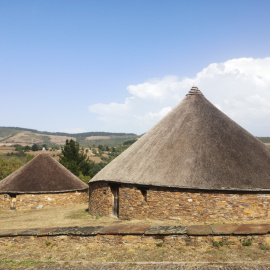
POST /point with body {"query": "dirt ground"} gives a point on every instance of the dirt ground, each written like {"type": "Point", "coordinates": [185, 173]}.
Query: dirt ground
{"type": "Point", "coordinates": [64, 216]}
{"type": "Point", "coordinates": [73, 216]}
{"type": "Point", "coordinates": [92, 138]}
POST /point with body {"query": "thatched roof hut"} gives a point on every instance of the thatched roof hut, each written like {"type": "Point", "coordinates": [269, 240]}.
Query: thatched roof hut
{"type": "Point", "coordinates": [42, 174]}
{"type": "Point", "coordinates": [196, 146]}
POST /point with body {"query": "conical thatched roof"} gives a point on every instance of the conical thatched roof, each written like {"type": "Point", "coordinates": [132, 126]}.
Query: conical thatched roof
{"type": "Point", "coordinates": [42, 174]}
{"type": "Point", "coordinates": [194, 146]}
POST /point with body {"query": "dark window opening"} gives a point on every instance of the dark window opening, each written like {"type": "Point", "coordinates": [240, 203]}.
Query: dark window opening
{"type": "Point", "coordinates": [144, 193]}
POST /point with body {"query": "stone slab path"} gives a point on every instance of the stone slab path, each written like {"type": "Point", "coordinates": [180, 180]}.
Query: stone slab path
{"type": "Point", "coordinates": [193, 230]}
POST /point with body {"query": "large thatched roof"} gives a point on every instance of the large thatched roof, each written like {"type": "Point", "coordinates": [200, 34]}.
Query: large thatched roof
{"type": "Point", "coordinates": [194, 146]}
{"type": "Point", "coordinates": [42, 174]}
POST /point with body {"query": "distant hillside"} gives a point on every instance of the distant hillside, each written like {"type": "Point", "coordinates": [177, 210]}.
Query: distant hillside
{"type": "Point", "coordinates": [264, 139]}
{"type": "Point", "coordinates": [24, 136]}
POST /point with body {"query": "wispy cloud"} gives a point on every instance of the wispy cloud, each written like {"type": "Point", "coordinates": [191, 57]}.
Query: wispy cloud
{"type": "Point", "coordinates": [239, 87]}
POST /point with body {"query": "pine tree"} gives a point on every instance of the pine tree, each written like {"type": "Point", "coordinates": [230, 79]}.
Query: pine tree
{"type": "Point", "coordinates": [73, 159]}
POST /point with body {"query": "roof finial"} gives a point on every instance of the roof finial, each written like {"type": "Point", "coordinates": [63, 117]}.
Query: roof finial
{"type": "Point", "coordinates": [194, 91]}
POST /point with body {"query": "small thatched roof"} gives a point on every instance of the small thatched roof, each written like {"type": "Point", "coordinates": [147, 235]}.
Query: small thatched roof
{"type": "Point", "coordinates": [42, 174]}
{"type": "Point", "coordinates": [195, 146]}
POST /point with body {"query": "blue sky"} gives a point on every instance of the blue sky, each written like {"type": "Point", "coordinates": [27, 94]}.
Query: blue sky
{"type": "Point", "coordinates": [120, 66]}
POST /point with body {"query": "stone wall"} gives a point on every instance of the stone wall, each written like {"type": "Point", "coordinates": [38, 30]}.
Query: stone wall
{"type": "Point", "coordinates": [30, 201]}
{"type": "Point", "coordinates": [176, 236]}
{"type": "Point", "coordinates": [183, 205]}
{"type": "Point", "coordinates": [5, 201]}
{"type": "Point", "coordinates": [116, 240]}
{"type": "Point", "coordinates": [100, 200]}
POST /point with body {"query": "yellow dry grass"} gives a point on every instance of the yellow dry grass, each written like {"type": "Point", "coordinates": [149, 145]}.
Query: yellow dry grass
{"type": "Point", "coordinates": [76, 215]}
{"type": "Point", "coordinates": [30, 138]}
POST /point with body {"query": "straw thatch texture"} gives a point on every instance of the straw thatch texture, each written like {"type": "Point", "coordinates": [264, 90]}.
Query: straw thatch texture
{"type": "Point", "coordinates": [194, 146]}
{"type": "Point", "coordinates": [42, 174]}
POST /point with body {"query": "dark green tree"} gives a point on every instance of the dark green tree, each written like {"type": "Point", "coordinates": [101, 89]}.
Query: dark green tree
{"type": "Point", "coordinates": [73, 159]}
{"type": "Point", "coordinates": [18, 147]}
{"type": "Point", "coordinates": [27, 148]}
{"type": "Point", "coordinates": [101, 147]}
{"type": "Point", "coordinates": [35, 147]}
{"type": "Point", "coordinates": [95, 168]}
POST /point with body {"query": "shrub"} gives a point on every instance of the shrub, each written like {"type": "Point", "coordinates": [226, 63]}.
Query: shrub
{"type": "Point", "coordinates": [247, 242]}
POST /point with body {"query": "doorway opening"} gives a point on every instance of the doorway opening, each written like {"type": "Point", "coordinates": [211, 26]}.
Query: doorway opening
{"type": "Point", "coordinates": [115, 199]}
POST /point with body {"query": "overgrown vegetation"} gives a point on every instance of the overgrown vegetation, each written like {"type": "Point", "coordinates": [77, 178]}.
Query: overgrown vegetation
{"type": "Point", "coordinates": [8, 166]}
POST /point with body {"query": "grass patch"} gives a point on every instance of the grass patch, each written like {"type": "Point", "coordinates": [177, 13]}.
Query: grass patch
{"type": "Point", "coordinates": [247, 242]}
{"type": "Point", "coordinates": [78, 214]}
{"type": "Point", "coordinates": [23, 263]}
{"type": "Point", "coordinates": [221, 243]}
{"type": "Point", "coordinates": [264, 247]}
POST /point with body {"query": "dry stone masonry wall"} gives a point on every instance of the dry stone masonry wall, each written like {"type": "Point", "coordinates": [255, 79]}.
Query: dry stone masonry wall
{"type": "Point", "coordinates": [100, 200]}
{"type": "Point", "coordinates": [178, 236]}
{"type": "Point", "coordinates": [183, 205]}
{"type": "Point", "coordinates": [4, 202]}
{"type": "Point", "coordinates": [29, 201]}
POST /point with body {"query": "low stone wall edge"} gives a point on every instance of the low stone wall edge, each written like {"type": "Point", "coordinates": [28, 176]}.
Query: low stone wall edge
{"type": "Point", "coordinates": [192, 230]}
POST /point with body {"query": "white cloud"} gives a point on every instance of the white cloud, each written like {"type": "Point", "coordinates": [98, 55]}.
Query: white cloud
{"type": "Point", "coordinates": [239, 87]}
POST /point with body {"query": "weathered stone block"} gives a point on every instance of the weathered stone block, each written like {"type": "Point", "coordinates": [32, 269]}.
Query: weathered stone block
{"type": "Point", "coordinates": [224, 229]}
{"type": "Point", "coordinates": [252, 229]}
{"type": "Point", "coordinates": [166, 230]}
{"type": "Point", "coordinates": [199, 230]}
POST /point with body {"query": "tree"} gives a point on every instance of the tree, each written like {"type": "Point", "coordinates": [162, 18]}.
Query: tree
{"type": "Point", "coordinates": [8, 166]}
{"type": "Point", "coordinates": [28, 158]}
{"type": "Point", "coordinates": [55, 147]}
{"type": "Point", "coordinates": [27, 148]}
{"type": "Point", "coordinates": [73, 159]}
{"type": "Point", "coordinates": [101, 147]}
{"type": "Point", "coordinates": [35, 147]}
{"type": "Point", "coordinates": [18, 147]}
{"type": "Point", "coordinates": [95, 168]}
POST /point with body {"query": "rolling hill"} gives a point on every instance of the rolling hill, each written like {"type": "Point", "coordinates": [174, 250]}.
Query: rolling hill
{"type": "Point", "coordinates": [24, 136]}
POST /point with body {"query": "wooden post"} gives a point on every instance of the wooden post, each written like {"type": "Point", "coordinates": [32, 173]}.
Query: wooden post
{"type": "Point", "coordinates": [13, 202]}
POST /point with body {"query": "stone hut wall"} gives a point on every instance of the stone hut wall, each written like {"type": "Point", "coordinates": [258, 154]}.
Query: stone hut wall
{"type": "Point", "coordinates": [4, 202]}
{"type": "Point", "coordinates": [184, 205]}
{"type": "Point", "coordinates": [100, 200]}
{"type": "Point", "coordinates": [29, 201]}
